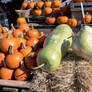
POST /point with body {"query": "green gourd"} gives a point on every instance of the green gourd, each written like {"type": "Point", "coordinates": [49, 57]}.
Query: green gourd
{"type": "Point", "coordinates": [55, 47]}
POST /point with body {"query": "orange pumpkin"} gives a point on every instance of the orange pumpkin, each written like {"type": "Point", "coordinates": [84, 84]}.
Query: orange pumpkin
{"type": "Point", "coordinates": [62, 19]}
{"type": "Point", "coordinates": [24, 5]}
{"type": "Point", "coordinates": [31, 5]}
{"type": "Point", "coordinates": [25, 50]}
{"type": "Point", "coordinates": [32, 42]}
{"type": "Point", "coordinates": [87, 19]}
{"type": "Point", "coordinates": [77, 1]}
{"type": "Point", "coordinates": [24, 27]}
{"type": "Point", "coordinates": [39, 4]}
{"type": "Point", "coordinates": [72, 22]}
{"type": "Point", "coordinates": [33, 33]}
{"type": "Point", "coordinates": [13, 59]}
{"type": "Point", "coordinates": [21, 20]}
{"type": "Point", "coordinates": [47, 10]}
{"type": "Point", "coordinates": [2, 56]}
{"type": "Point", "coordinates": [56, 10]}
{"type": "Point", "coordinates": [38, 12]}
{"type": "Point", "coordinates": [50, 20]}
{"type": "Point", "coordinates": [21, 74]}
{"type": "Point", "coordinates": [30, 60]}
{"type": "Point", "coordinates": [6, 73]}
{"type": "Point", "coordinates": [56, 3]}
{"type": "Point", "coordinates": [88, 0]}
{"type": "Point", "coordinates": [48, 3]}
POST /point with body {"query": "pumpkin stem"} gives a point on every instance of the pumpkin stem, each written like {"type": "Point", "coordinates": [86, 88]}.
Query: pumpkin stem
{"type": "Point", "coordinates": [8, 35]}
{"type": "Point", "coordinates": [20, 36]}
{"type": "Point", "coordinates": [4, 63]}
{"type": "Point", "coordinates": [11, 49]}
{"type": "Point", "coordinates": [22, 65]}
{"type": "Point", "coordinates": [13, 26]}
{"type": "Point", "coordinates": [26, 37]}
{"type": "Point", "coordinates": [23, 45]}
{"type": "Point", "coordinates": [32, 27]}
{"type": "Point", "coordinates": [87, 13]}
{"type": "Point", "coordinates": [1, 36]}
{"type": "Point", "coordinates": [3, 31]}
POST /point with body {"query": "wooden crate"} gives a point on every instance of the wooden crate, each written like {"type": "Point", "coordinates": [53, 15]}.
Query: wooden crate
{"type": "Point", "coordinates": [76, 9]}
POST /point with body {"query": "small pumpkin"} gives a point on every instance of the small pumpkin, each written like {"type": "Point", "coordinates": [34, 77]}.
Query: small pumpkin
{"type": "Point", "coordinates": [31, 5]}
{"type": "Point", "coordinates": [88, 0]}
{"type": "Point", "coordinates": [2, 57]}
{"type": "Point", "coordinates": [13, 59]}
{"type": "Point", "coordinates": [48, 3]}
{"type": "Point", "coordinates": [33, 33]}
{"type": "Point", "coordinates": [62, 19]}
{"type": "Point", "coordinates": [39, 4]}
{"type": "Point", "coordinates": [47, 10]}
{"type": "Point", "coordinates": [24, 5]}
{"type": "Point", "coordinates": [25, 50]}
{"type": "Point", "coordinates": [6, 73]}
{"type": "Point", "coordinates": [77, 1]}
{"type": "Point", "coordinates": [38, 12]}
{"type": "Point", "coordinates": [56, 11]}
{"type": "Point", "coordinates": [87, 19]}
{"type": "Point", "coordinates": [72, 22]}
{"type": "Point", "coordinates": [21, 74]}
{"type": "Point", "coordinates": [50, 20]}
{"type": "Point", "coordinates": [56, 3]}
{"type": "Point", "coordinates": [30, 60]}
{"type": "Point", "coordinates": [21, 20]}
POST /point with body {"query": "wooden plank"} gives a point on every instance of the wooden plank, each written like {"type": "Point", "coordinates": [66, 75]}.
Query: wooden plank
{"type": "Point", "coordinates": [14, 83]}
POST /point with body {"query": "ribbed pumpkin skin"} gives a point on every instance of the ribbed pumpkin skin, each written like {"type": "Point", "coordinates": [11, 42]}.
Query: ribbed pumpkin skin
{"type": "Point", "coordinates": [55, 47]}
{"type": "Point", "coordinates": [82, 44]}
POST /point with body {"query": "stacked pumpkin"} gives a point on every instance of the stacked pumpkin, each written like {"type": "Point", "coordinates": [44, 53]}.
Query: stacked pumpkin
{"type": "Point", "coordinates": [18, 50]}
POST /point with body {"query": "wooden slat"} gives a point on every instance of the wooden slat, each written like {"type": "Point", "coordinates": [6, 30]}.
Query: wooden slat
{"type": "Point", "coordinates": [13, 83]}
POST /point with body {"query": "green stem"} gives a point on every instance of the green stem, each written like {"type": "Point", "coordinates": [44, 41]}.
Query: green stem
{"type": "Point", "coordinates": [38, 67]}
{"type": "Point", "coordinates": [11, 49]}
{"type": "Point", "coordinates": [13, 27]}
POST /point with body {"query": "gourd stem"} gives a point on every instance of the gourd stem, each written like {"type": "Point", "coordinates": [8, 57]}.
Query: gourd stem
{"type": "Point", "coordinates": [32, 27]}
{"type": "Point", "coordinates": [13, 27]}
{"type": "Point", "coordinates": [23, 45]}
{"type": "Point", "coordinates": [8, 35]}
{"type": "Point", "coordinates": [4, 63]}
{"type": "Point", "coordinates": [20, 36]}
{"type": "Point", "coordinates": [11, 49]}
{"type": "Point", "coordinates": [1, 36]}
{"type": "Point", "coordinates": [3, 31]}
{"type": "Point", "coordinates": [22, 65]}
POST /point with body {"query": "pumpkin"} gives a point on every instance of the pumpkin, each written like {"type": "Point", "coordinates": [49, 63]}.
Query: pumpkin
{"type": "Point", "coordinates": [48, 3]}
{"type": "Point", "coordinates": [88, 0]}
{"type": "Point", "coordinates": [21, 20]}
{"type": "Point", "coordinates": [47, 10]}
{"type": "Point", "coordinates": [62, 19]}
{"type": "Point", "coordinates": [6, 73]}
{"type": "Point", "coordinates": [56, 3]}
{"type": "Point", "coordinates": [25, 50]}
{"type": "Point", "coordinates": [38, 12]}
{"type": "Point", "coordinates": [24, 5]}
{"type": "Point", "coordinates": [39, 4]}
{"type": "Point", "coordinates": [50, 20]}
{"type": "Point", "coordinates": [30, 60]}
{"type": "Point", "coordinates": [32, 42]}
{"type": "Point", "coordinates": [2, 57]}
{"type": "Point", "coordinates": [72, 22]}
{"type": "Point", "coordinates": [24, 27]}
{"type": "Point", "coordinates": [87, 19]}
{"type": "Point", "coordinates": [31, 5]}
{"type": "Point", "coordinates": [56, 11]}
{"type": "Point", "coordinates": [77, 1]}
{"type": "Point", "coordinates": [6, 42]}
{"type": "Point", "coordinates": [21, 74]}
{"type": "Point", "coordinates": [33, 33]}
{"type": "Point", "coordinates": [13, 59]}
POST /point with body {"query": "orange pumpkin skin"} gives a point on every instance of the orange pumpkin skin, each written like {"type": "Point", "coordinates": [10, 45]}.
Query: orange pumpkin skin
{"type": "Point", "coordinates": [88, 0]}
{"type": "Point", "coordinates": [38, 12]}
{"type": "Point", "coordinates": [32, 42]}
{"type": "Point", "coordinates": [48, 3]}
{"type": "Point", "coordinates": [2, 56]}
{"type": "Point", "coordinates": [56, 3]}
{"type": "Point", "coordinates": [24, 5]}
{"type": "Point", "coordinates": [87, 19]}
{"type": "Point", "coordinates": [6, 73]}
{"type": "Point", "coordinates": [47, 10]}
{"type": "Point", "coordinates": [30, 60]}
{"type": "Point", "coordinates": [5, 35]}
{"type": "Point", "coordinates": [40, 4]}
{"type": "Point", "coordinates": [24, 27]}
{"type": "Point", "coordinates": [77, 1]}
{"type": "Point", "coordinates": [62, 19]}
{"type": "Point", "coordinates": [33, 33]}
{"type": "Point", "coordinates": [21, 20]}
{"type": "Point", "coordinates": [50, 20]}
{"type": "Point", "coordinates": [72, 22]}
{"type": "Point", "coordinates": [18, 33]}
{"type": "Point", "coordinates": [31, 5]}
{"type": "Point", "coordinates": [21, 75]}
{"type": "Point", "coordinates": [56, 10]}
{"type": "Point", "coordinates": [25, 51]}
{"type": "Point", "coordinates": [13, 60]}
{"type": "Point", "coordinates": [6, 42]}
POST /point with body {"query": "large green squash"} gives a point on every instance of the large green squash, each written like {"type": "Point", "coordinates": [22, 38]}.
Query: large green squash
{"type": "Point", "coordinates": [82, 43]}
{"type": "Point", "coordinates": [56, 45]}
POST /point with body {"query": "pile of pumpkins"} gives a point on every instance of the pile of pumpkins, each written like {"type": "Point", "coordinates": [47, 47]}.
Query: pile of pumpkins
{"type": "Point", "coordinates": [18, 50]}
